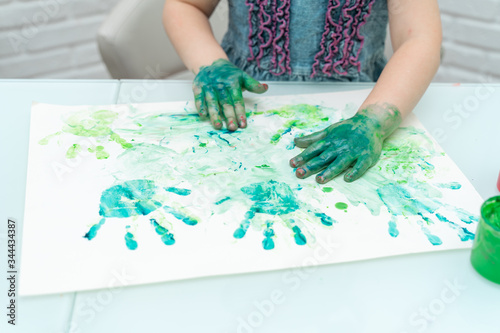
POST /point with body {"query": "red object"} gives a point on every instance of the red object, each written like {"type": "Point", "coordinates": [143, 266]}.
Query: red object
{"type": "Point", "coordinates": [498, 182]}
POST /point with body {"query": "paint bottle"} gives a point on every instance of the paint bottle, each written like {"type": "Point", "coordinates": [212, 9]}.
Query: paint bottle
{"type": "Point", "coordinates": [485, 256]}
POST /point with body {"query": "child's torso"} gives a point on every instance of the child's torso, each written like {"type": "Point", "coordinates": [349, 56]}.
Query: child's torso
{"type": "Point", "coordinates": [340, 40]}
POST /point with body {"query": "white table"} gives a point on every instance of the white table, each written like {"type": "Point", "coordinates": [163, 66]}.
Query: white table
{"type": "Point", "coordinates": [412, 293]}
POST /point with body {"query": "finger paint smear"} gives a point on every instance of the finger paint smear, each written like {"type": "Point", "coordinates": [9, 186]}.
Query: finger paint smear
{"type": "Point", "coordinates": [166, 166]}
{"type": "Point", "coordinates": [90, 124]}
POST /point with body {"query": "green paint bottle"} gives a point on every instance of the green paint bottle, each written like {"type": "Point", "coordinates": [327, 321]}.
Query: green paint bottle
{"type": "Point", "coordinates": [485, 256]}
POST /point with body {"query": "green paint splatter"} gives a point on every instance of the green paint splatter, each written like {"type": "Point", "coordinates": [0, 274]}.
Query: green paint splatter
{"type": "Point", "coordinates": [45, 141]}
{"type": "Point", "coordinates": [94, 125]}
{"type": "Point", "coordinates": [312, 112]}
{"type": "Point", "coordinates": [116, 138]}
{"type": "Point", "coordinates": [451, 186]}
{"type": "Point", "coordinates": [100, 153]}
{"type": "Point", "coordinates": [73, 151]}
{"type": "Point", "coordinates": [405, 159]}
{"type": "Point", "coordinates": [341, 205]}
{"type": "Point", "coordinates": [263, 166]}
{"type": "Point", "coordinates": [276, 137]}
{"type": "Point", "coordinates": [304, 116]}
{"type": "Point", "coordinates": [166, 237]}
{"type": "Point", "coordinates": [327, 189]}
{"type": "Point", "coordinates": [178, 191]}
{"type": "Point", "coordinates": [130, 241]}
{"type": "Point", "coordinates": [221, 201]}
{"type": "Point", "coordinates": [90, 124]}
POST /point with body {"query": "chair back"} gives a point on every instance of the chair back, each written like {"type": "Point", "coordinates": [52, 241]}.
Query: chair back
{"type": "Point", "coordinates": [134, 44]}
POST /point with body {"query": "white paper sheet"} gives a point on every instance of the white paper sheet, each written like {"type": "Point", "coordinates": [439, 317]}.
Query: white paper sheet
{"type": "Point", "coordinates": [162, 196]}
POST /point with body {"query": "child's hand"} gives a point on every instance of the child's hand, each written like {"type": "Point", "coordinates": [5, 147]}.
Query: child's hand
{"type": "Point", "coordinates": [219, 86]}
{"type": "Point", "coordinates": [357, 140]}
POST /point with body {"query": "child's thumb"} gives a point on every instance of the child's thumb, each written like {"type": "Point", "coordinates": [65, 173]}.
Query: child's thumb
{"type": "Point", "coordinates": [252, 85]}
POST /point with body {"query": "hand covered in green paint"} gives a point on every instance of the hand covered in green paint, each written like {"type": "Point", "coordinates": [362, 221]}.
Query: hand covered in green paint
{"type": "Point", "coordinates": [219, 87]}
{"type": "Point", "coordinates": [355, 141]}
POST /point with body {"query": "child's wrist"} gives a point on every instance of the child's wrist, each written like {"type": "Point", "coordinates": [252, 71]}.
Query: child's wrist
{"type": "Point", "coordinates": [385, 117]}
{"type": "Point", "coordinates": [196, 69]}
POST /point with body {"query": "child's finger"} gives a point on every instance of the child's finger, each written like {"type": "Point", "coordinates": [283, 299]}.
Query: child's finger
{"type": "Point", "coordinates": [312, 151]}
{"type": "Point", "coordinates": [335, 168]}
{"type": "Point", "coordinates": [226, 101]}
{"type": "Point", "coordinates": [213, 107]}
{"type": "Point", "coordinates": [239, 106]}
{"type": "Point", "coordinates": [199, 99]}
{"type": "Point", "coordinates": [316, 164]}
{"type": "Point", "coordinates": [252, 85]}
{"type": "Point", "coordinates": [306, 140]}
{"type": "Point", "coordinates": [362, 165]}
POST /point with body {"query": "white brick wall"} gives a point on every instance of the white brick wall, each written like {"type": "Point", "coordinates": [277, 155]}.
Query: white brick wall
{"type": "Point", "coordinates": [51, 38]}
{"type": "Point", "coordinates": [471, 41]}
{"type": "Point", "coordinates": [56, 39]}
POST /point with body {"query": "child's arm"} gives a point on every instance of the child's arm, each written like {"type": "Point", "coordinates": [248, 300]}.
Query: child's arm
{"type": "Point", "coordinates": [218, 83]}
{"type": "Point", "coordinates": [187, 26]}
{"type": "Point", "coordinates": [416, 38]}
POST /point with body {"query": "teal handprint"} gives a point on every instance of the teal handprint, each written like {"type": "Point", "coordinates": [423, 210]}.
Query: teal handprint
{"type": "Point", "coordinates": [404, 200]}
{"type": "Point", "coordinates": [140, 197]}
{"type": "Point", "coordinates": [276, 199]}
